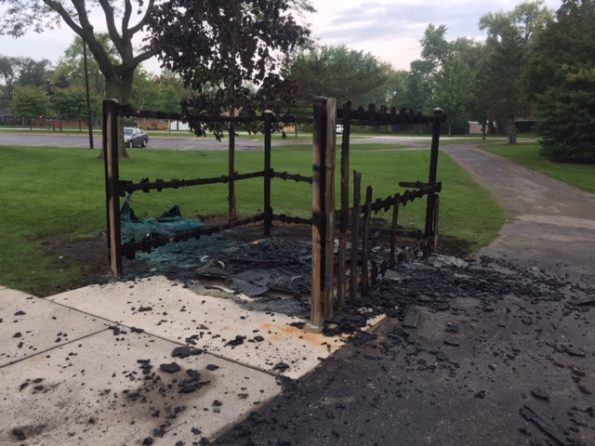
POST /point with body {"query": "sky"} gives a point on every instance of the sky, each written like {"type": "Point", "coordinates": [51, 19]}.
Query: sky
{"type": "Point", "coordinates": [389, 29]}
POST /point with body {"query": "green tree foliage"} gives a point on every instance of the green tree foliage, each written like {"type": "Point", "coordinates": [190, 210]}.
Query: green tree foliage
{"type": "Point", "coordinates": [123, 20]}
{"type": "Point", "coordinates": [220, 48]}
{"type": "Point", "coordinates": [342, 73]}
{"type": "Point", "coordinates": [561, 79]}
{"type": "Point", "coordinates": [507, 47]}
{"type": "Point", "coordinates": [444, 77]}
{"type": "Point", "coordinates": [70, 67]}
{"type": "Point", "coordinates": [146, 93]}
{"type": "Point", "coordinates": [454, 91]}
{"type": "Point", "coordinates": [69, 103]}
{"type": "Point", "coordinates": [33, 72]}
{"type": "Point", "coordinates": [30, 102]}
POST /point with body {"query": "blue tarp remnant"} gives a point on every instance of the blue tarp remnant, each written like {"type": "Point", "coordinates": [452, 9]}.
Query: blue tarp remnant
{"type": "Point", "coordinates": [171, 222]}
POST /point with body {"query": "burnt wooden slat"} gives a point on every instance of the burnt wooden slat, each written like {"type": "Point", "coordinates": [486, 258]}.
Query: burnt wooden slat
{"type": "Point", "coordinates": [231, 171]}
{"type": "Point", "coordinates": [342, 285]}
{"type": "Point", "coordinates": [374, 273]}
{"type": "Point", "coordinates": [357, 182]}
{"type": "Point", "coordinates": [393, 235]}
{"type": "Point", "coordinates": [268, 211]}
{"type": "Point", "coordinates": [366, 240]}
{"type": "Point", "coordinates": [435, 222]}
{"type": "Point", "coordinates": [432, 176]}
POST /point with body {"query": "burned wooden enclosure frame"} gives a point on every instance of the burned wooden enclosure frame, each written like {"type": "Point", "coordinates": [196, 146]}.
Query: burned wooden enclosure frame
{"type": "Point", "coordinates": [356, 273]}
{"type": "Point", "coordinates": [350, 224]}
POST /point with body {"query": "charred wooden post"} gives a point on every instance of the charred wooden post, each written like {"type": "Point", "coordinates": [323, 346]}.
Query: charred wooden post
{"type": "Point", "coordinates": [231, 170]}
{"type": "Point", "coordinates": [318, 214]}
{"type": "Point", "coordinates": [393, 234]}
{"type": "Point", "coordinates": [268, 173]}
{"type": "Point", "coordinates": [329, 205]}
{"type": "Point", "coordinates": [342, 285]}
{"type": "Point", "coordinates": [374, 273]}
{"type": "Point", "coordinates": [112, 177]}
{"type": "Point", "coordinates": [366, 240]}
{"type": "Point", "coordinates": [437, 124]}
{"type": "Point", "coordinates": [357, 209]}
{"type": "Point", "coordinates": [435, 222]}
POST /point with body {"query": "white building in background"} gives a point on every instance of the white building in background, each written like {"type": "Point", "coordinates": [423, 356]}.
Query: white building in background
{"type": "Point", "coordinates": [179, 125]}
{"type": "Point", "coordinates": [474, 127]}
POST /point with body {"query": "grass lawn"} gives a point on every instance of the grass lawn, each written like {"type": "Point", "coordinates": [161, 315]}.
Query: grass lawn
{"type": "Point", "coordinates": [55, 191]}
{"type": "Point", "coordinates": [581, 176]}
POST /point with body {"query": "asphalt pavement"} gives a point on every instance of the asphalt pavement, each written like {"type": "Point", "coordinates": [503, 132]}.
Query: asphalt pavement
{"type": "Point", "coordinates": [189, 143]}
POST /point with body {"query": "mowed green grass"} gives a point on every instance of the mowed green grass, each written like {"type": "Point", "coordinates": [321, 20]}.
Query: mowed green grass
{"type": "Point", "coordinates": [55, 192]}
{"type": "Point", "coordinates": [581, 176]}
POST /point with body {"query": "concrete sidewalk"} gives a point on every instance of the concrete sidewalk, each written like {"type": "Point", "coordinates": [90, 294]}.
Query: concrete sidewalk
{"type": "Point", "coordinates": [95, 365]}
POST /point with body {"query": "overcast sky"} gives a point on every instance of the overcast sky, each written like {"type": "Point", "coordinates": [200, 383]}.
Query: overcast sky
{"type": "Point", "coordinates": [389, 29]}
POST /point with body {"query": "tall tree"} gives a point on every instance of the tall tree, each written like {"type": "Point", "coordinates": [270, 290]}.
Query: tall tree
{"type": "Point", "coordinates": [421, 82]}
{"type": "Point", "coordinates": [30, 102]}
{"type": "Point", "coordinates": [338, 72]}
{"type": "Point", "coordinates": [561, 79]}
{"type": "Point", "coordinates": [71, 65]}
{"type": "Point", "coordinates": [508, 38]}
{"type": "Point", "coordinates": [454, 91]}
{"type": "Point", "coordinates": [69, 103]}
{"type": "Point", "coordinates": [24, 15]}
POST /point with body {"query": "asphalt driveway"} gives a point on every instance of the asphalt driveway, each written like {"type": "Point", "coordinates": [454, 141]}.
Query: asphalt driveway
{"type": "Point", "coordinates": [551, 225]}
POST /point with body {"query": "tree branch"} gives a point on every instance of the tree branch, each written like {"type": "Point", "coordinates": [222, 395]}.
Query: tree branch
{"type": "Point", "coordinates": [56, 6]}
{"type": "Point", "coordinates": [85, 30]}
{"type": "Point", "coordinates": [111, 27]}
{"type": "Point", "coordinates": [144, 56]}
{"type": "Point", "coordinates": [126, 18]}
{"type": "Point", "coordinates": [136, 28]}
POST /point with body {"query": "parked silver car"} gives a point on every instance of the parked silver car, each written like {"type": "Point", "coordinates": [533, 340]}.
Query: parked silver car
{"type": "Point", "coordinates": [135, 137]}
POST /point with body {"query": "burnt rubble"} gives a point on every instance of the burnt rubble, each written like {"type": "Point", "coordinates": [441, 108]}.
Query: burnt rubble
{"type": "Point", "coordinates": [499, 328]}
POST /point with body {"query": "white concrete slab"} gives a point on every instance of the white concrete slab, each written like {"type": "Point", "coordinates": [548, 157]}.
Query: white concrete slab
{"type": "Point", "coordinates": [93, 392]}
{"type": "Point", "coordinates": [179, 314]}
{"type": "Point", "coordinates": [30, 325]}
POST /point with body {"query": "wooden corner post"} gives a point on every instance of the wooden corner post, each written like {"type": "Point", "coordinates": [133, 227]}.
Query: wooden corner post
{"type": "Point", "coordinates": [323, 209]}
{"type": "Point", "coordinates": [329, 207]}
{"type": "Point", "coordinates": [345, 173]}
{"type": "Point", "coordinates": [432, 178]}
{"type": "Point", "coordinates": [112, 177]}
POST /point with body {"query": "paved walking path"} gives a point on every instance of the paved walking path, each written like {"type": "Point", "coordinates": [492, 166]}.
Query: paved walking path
{"type": "Point", "coordinates": [551, 225]}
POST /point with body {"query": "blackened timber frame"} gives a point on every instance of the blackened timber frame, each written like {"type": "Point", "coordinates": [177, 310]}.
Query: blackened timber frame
{"type": "Point", "coordinates": [356, 273]}
{"type": "Point", "coordinates": [117, 188]}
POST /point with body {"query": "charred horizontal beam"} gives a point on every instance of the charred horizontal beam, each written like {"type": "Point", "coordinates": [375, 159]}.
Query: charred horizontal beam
{"type": "Point", "coordinates": [386, 116]}
{"type": "Point", "coordinates": [360, 116]}
{"type": "Point", "coordinates": [150, 243]}
{"type": "Point", "coordinates": [292, 176]}
{"type": "Point", "coordinates": [127, 110]}
{"type": "Point", "coordinates": [146, 185]}
{"type": "Point", "coordinates": [290, 219]}
{"type": "Point", "coordinates": [413, 184]}
{"type": "Point", "coordinates": [411, 234]}
{"type": "Point", "coordinates": [404, 198]}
